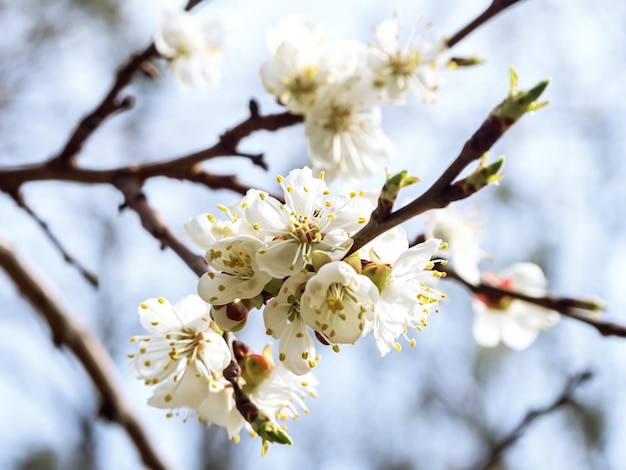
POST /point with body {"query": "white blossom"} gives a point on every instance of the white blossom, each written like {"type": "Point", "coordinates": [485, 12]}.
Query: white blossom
{"type": "Point", "coordinates": [181, 349]}
{"type": "Point", "coordinates": [283, 321]}
{"type": "Point", "coordinates": [344, 129]}
{"type": "Point", "coordinates": [219, 408]}
{"type": "Point", "coordinates": [339, 303]}
{"type": "Point", "coordinates": [297, 71]}
{"type": "Point", "coordinates": [400, 68]}
{"type": "Point", "coordinates": [407, 289]}
{"type": "Point", "coordinates": [193, 50]}
{"type": "Point", "coordinates": [514, 322]}
{"type": "Point", "coordinates": [204, 230]}
{"type": "Point", "coordinates": [282, 390]}
{"type": "Point", "coordinates": [237, 274]}
{"type": "Point", "coordinates": [310, 219]}
{"type": "Point", "coordinates": [297, 29]}
{"type": "Point", "coordinates": [276, 394]}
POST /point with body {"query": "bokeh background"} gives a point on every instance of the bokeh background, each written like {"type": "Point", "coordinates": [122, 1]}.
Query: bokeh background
{"type": "Point", "coordinates": [441, 405]}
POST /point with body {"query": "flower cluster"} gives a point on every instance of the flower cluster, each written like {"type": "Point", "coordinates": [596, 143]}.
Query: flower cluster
{"type": "Point", "coordinates": [289, 256]}
{"type": "Point", "coordinates": [293, 257]}
{"type": "Point", "coordinates": [340, 88]}
{"type": "Point", "coordinates": [185, 358]}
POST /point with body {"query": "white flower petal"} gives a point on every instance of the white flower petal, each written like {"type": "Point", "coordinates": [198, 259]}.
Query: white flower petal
{"type": "Point", "coordinates": [297, 349]}
{"type": "Point", "coordinates": [157, 315]}
{"type": "Point", "coordinates": [186, 392]}
{"type": "Point", "coordinates": [487, 327]}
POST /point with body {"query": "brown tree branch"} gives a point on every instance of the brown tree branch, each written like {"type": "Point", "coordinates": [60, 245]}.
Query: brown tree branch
{"type": "Point", "coordinates": [184, 168]}
{"type": "Point", "coordinates": [86, 348]}
{"type": "Point", "coordinates": [154, 225]}
{"type": "Point", "coordinates": [497, 6]}
{"type": "Point", "coordinates": [88, 275]}
{"type": "Point", "coordinates": [572, 308]}
{"type": "Point", "coordinates": [510, 439]}
{"type": "Point", "coordinates": [444, 191]}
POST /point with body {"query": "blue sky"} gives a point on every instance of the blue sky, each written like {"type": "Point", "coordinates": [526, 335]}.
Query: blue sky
{"type": "Point", "coordinates": [561, 204]}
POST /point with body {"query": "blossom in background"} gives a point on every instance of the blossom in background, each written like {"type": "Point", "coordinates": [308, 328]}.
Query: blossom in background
{"type": "Point", "coordinates": [218, 408]}
{"type": "Point", "coordinates": [514, 322]}
{"type": "Point", "coordinates": [193, 50]}
{"type": "Point", "coordinates": [412, 66]}
{"type": "Point", "coordinates": [310, 219]}
{"type": "Point", "coordinates": [296, 29]}
{"type": "Point", "coordinates": [459, 233]}
{"type": "Point", "coordinates": [297, 70]}
{"type": "Point", "coordinates": [182, 355]}
{"type": "Point", "coordinates": [345, 130]}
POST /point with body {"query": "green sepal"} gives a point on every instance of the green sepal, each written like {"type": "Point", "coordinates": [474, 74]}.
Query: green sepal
{"type": "Point", "coordinates": [319, 258]}
{"type": "Point", "coordinates": [379, 274]}
{"type": "Point", "coordinates": [354, 260]}
{"type": "Point", "coordinates": [257, 301]}
{"type": "Point", "coordinates": [273, 287]}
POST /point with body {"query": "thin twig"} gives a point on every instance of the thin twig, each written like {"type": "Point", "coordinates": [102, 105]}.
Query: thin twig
{"type": "Point", "coordinates": [510, 439]}
{"type": "Point", "coordinates": [572, 308]}
{"type": "Point", "coordinates": [109, 105]}
{"type": "Point", "coordinates": [88, 275]}
{"type": "Point", "coordinates": [443, 191]}
{"type": "Point", "coordinates": [85, 346]}
{"type": "Point", "coordinates": [154, 225]}
{"type": "Point", "coordinates": [497, 6]}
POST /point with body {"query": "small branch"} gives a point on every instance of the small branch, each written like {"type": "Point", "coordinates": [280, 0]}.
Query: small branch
{"type": "Point", "coordinates": [86, 348]}
{"type": "Point", "coordinates": [443, 191]}
{"type": "Point", "coordinates": [153, 223]}
{"type": "Point", "coordinates": [108, 106]}
{"type": "Point", "coordinates": [183, 168]}
{"type": "Point", "coordinates": [497, 6]}
{"type": "Point", "coordinates": [88, 275]}
{"type": "Point", "coordinates": [509, 440]}
{"type": "Point", "coordinates": [568, 307]}
{"type": "Point", "coordinates": [248, 410]}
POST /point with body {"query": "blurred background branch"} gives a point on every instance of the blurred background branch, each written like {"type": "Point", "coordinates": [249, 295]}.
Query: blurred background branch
{"type": "Point", "coordinates": [87, 349]}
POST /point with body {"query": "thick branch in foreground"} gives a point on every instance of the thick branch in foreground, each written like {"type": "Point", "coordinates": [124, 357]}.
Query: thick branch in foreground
{"type": "Point", "coordinates": [86, 348]}
{"type": "Point", "coordinates": [573, 308]}
{"type": "Point", "coordinates": [497, 6]}
{"type": "Point", "coordinates": [510, 439]}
